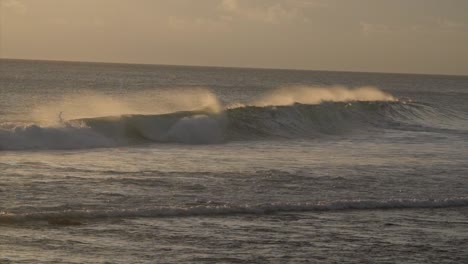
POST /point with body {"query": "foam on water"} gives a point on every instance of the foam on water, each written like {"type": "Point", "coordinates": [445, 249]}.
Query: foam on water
{"type": "Point", "coordinates": [51, 137]}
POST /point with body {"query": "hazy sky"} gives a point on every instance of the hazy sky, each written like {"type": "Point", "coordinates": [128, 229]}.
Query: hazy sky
{"type": "Point", "coordinates": [420, 36]}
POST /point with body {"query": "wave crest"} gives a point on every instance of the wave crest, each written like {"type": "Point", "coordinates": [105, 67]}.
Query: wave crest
{"type": "Point", "coordinates": [296, 112]}
{"type": "Point", "coordinates": [317, 95]}
{"type": "Point", "coordinates": [234, 124]}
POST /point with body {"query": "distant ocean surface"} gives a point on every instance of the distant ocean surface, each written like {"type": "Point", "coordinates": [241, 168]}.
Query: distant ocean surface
{"type": "Point", "coordinates": [120, 163]}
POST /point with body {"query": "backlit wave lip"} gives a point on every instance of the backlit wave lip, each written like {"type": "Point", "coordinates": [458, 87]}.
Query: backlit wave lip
{"type": "Point", "coordinates": [232, 124]}
{"type": "Point", "coordinates": [76, 216]}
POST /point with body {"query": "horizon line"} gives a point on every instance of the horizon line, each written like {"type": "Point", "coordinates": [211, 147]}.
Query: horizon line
{"type": "Point", "coordinates": [232, 67]}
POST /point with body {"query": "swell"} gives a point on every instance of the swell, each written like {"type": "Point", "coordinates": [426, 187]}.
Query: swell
{"type": "Point", "coordinates": [233, 124]}
{"type": "Point", "coordinates": [70, 216]}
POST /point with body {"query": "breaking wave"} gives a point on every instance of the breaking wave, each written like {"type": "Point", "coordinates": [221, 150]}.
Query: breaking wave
{"type": "Point", "coordinates": [75, 216]}
{"type": "Point", "coordinates": [295, 112]}
{"type": "Point", "coordinates": [232, 124]}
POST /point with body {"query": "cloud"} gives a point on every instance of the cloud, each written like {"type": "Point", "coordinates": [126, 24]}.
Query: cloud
{"type": "Point", "coordinates": [91, 22]}
{"type": "Point", "coordinates": [435, 25]}
{"type": "Point", "coordinates": [271, 14]}
{"type": "Point", "coordinates": [450, 25]}
{"type": "Point", "coordinates": [15, 5]}
{"type": "Point", "coordinates": [271, 11]}
{"type": "Point", "coordinates": [371, 28]}
{"type": "Point", "coordinates": [196, 24]}
{"type": "Point", "coordinates": [229, 11]}
{"type": "Point", "coordinates": [229, 5]}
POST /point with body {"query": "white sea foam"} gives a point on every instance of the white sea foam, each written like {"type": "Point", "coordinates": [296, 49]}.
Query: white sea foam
{"type": "Point", "coordinates": [52, 137]}
{"type": "Point", "coordinates": [197, 129]}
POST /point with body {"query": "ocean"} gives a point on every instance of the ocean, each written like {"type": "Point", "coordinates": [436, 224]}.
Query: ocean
{"type": "Point", "coordinates": [122, 163]}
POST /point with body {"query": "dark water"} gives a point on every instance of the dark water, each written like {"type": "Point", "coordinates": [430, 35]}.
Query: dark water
{"type": "Point", "coordinates": [168, 164]}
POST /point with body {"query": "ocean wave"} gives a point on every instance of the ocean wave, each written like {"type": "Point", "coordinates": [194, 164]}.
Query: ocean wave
{"type": "Point", "coordinates": [232, 124]}
{"type": "Point", "coordinates": [75, 216]}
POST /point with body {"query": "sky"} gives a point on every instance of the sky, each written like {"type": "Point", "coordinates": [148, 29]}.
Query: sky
{"type": "Point", "coordinates": [405, 36]}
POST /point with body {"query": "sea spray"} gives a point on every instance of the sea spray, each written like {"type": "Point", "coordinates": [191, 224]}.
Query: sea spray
{"type": "Point", "coordinates": [195, 116]}
{"type": "Point", "coordinates": [233, 124]}
{"type": "Point", "coordinates": [89, 104]}
{"type": "Point", "coordinates": [317, 95]}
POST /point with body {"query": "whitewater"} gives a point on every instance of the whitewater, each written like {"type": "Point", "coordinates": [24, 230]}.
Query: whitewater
{"type": "Point", "coordinates": [124, 163]}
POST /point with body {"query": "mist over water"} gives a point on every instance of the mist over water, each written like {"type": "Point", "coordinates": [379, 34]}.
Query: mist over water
{"type": "Point", "coordinates": [86, 104]}
{"type": "Point", "coordinates": [316, 95]}
{"type": "Point", "coordinates": [197, 116]}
